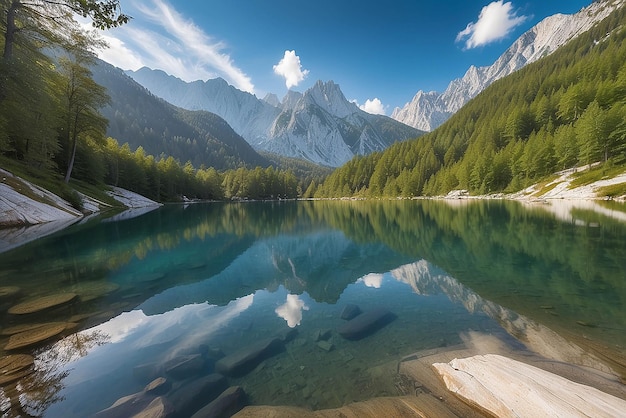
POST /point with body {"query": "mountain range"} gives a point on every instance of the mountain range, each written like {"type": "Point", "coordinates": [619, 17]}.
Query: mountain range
{"type": "Point", "coordinates": [139, 118]}
{"type": "Point", "coordinates": [429, 110]}
{"type": "Point", "coordinates": [319, 125]}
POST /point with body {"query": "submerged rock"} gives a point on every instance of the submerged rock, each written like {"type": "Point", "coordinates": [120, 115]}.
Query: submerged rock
{"type": "Point", "coordinates": [193, 395]}
{"type": "Point", "coordinates": [366, 323]}
{"type": "Point", "coordinates": [159, 408]}
{"type": "Point", "coordinates": [36, 335]}
{"type": "Point", "coordinates": [231, 401]}
{"type": "Point", "coordinates": [146, 372]}
{"type": "Point", "coordinates": [40, 304]}
{"type": "Point", "coordinates": [325, 345]}
{"type": "Point", "coordinates": [14, 367]}
{"type": "Point", "coordinates": [8, 292]}
{"type": "Point", "coordinates": [322, 335]}
{"type": "Point", "coordinates": [350, 311]}
{"type": "Point", "coordinates": [128, 406]}
{"type": "Point", "coordinates": [184, 366]}
{"type": "Point", "coordinates": [246, 359]}
{"type": "Point", "coordinates": [158, 386]}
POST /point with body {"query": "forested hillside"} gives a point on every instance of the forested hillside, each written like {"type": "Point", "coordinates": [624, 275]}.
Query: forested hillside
{"type": "Point", "coordinates": [141, 119]}
{"type": "Point", "coordinates": [564, 110]}
{"type": "Point", "coordinates": [69, 121]}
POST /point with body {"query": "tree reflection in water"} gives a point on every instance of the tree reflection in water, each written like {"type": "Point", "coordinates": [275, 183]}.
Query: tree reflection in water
{"type": "Point", "coordinates": [31, 395]}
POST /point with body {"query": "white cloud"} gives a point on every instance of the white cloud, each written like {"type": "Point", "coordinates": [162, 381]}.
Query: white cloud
{"type": "Point", "coordinates": [495, 22]}
{"type": "Point", "coordinates": [290, 68]}
{"type": "Point", "coordinates": [374, 106]}
{"type": "Point", "coordinates": [120, 55]}
{"type": "Point", "coordinates": [159, 37]}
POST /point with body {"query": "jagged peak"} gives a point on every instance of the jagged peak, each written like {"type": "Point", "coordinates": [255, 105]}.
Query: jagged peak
{"type": "Point", "coordinates": [328, 95]}
{"type": "Point", "coordinates": [272, 99]}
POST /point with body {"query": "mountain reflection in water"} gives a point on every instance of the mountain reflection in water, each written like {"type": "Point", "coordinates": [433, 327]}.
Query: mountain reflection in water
{"type": "Point", "coordinates": [222, 276]}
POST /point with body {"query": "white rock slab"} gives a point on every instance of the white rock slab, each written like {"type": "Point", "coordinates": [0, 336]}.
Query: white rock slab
{"type": "Point", "coordinates": [509, 388]}
{"type": "Point", "coordinates": [130, 199]}
{"type": "Point", "coordinates": [18, 209]}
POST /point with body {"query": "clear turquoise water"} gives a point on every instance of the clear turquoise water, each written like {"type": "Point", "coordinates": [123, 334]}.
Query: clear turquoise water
{"type": "Point", "coordinates": [223, 276]}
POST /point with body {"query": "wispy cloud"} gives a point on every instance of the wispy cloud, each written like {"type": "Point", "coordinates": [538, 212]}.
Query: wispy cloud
{"type": "Point", "coordinates": [495, 21]}
{"type": "Point", "coordinates": [160, 37]}
{"type": "Point", "coordinates": [290, 68]}
{"type": "Point", "coordinates": [374, 106]}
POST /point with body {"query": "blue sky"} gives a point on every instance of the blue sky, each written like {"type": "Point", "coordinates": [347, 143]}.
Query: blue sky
{"type": "Point", "coordinates": [380, 52]}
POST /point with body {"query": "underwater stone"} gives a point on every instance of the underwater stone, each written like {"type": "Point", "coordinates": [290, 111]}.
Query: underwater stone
{"type": "Point", "coordinates": [246, 359]}
{"type": "Point", "coordinates": [231, 401]}
{"type": "Point", "coordinates": [146, 372]}
{"type": "Point", "coordinates": [158, 386]}
{"type": "Point", "coordinates": [192, 396]}
{"type": "Point", "coordinates": [366, 323]}
{"type": "Point", "coordinates": [158, 408]}
{"type": "Point", "coordinates": [184, 366]}
{"type": "Point", "coordinates": [325, 345]}
{"type": "Point", "coordinates": [127, 406]}
{"type": "Point", "coordinates": [350, 311]}
{"type": "Point", "coordinates": [36, 335]}
{"type": "Point", "coordinates": [42, 303]}
{"type": "Point", "coordinates": [322, 335]}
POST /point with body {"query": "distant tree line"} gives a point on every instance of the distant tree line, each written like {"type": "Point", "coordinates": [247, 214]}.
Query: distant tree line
{"type": "Point", "coordinates": [565, 110]}
{"type": "Point", "coordinates": [165, 179]}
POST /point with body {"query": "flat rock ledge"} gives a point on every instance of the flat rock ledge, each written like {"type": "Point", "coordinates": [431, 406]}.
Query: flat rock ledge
{"type": "Point", "coordinates": [504, 387]}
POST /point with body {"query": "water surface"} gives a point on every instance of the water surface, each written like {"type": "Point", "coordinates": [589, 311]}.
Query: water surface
{"type": "Point", "coordinates": [214, 278]}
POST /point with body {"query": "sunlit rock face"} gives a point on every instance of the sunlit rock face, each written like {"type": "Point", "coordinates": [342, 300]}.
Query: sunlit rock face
{"type": "Point", "coordinates": [319, 125]}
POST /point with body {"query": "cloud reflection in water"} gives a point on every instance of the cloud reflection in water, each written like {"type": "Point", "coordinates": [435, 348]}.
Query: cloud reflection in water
{"type": "Point", "coordinates": [291, 310]}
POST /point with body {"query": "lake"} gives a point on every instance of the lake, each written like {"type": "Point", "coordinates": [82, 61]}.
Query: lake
{"type": "Point", "coordinates": [181, 290]}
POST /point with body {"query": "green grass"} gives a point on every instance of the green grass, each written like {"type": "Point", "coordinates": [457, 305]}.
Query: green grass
{"type": "Point", "coordinates": [614, 190]}
{"type": "Point", "coordinates": [600, 172]}
{"type": "Point", "coordinates": [546, 188]}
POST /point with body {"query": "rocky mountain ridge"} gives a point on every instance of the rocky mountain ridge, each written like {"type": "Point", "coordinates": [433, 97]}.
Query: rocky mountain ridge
{"type": "Point", "coordinates": [319, 125]}
{"type": "Point", "coordinates": [427, 111]}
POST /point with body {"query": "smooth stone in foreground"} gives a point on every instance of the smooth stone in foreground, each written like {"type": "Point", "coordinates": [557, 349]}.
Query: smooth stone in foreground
{"type": "Point", "coordinates": [508, 388]}
{"type": "Point", "coordinates": [246, 359]}
{"type": "Point", "coordinates": [192, 396]}
{"type": "Point", "coordinates": [230, 402]}
{"type": "Point", "coordinates": [366, 323]}
{"type": "Point", "coordinates": [159, 408]}
{"type": "Point", "coordinates": [127, 406]}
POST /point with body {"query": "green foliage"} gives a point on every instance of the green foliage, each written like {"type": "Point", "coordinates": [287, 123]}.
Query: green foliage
{"type": "Point", "coordinates": [615, 190]}
{"type": "Point", "coordinates": [566, 109]}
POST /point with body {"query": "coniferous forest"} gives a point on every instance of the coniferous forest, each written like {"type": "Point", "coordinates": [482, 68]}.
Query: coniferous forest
{"type": "Point", "coordinates": [567, 109]}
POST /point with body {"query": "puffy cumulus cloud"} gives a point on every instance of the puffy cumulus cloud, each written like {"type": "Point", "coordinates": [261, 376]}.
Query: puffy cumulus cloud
{"type": "Point", "coordinates": [160, 37]}
{"type": "Point", "coordinates": [290, 68]}
{"type": "Point", "coordinates": [374, 106]}
{"type": "Point", "coordinates": [496, 20]}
